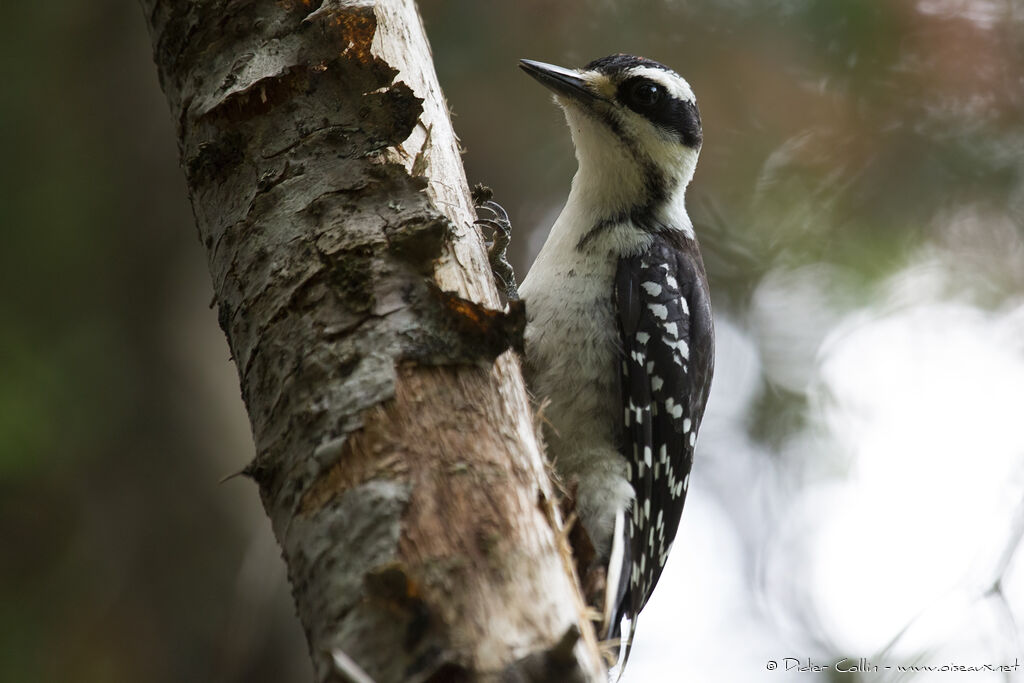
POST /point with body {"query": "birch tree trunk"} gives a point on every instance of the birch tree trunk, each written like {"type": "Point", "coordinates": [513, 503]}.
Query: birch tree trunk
{"type": "Point", "coordinates": [395, 457]}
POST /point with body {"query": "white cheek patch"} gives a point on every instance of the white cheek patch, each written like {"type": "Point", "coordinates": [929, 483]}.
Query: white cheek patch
{"type": "Point", "coordinates": [675, 84]}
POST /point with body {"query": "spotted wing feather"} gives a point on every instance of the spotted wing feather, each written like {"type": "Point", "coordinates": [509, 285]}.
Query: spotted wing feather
{"type": "Point", "coordinates": [667, 355]}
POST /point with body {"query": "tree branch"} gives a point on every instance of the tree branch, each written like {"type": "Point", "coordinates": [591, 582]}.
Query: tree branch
{"type": "Point", "coordinates": [395, 456]}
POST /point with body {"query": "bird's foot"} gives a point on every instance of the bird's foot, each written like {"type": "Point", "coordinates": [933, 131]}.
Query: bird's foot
{"type": "Point", "coordinates": [501, 234]}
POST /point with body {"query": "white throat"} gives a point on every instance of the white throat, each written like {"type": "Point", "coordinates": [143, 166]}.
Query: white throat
{"type": "Point", "coordinates": [613, 179]}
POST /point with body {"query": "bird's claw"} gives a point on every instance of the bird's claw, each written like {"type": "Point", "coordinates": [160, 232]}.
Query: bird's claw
{"type": "Point", "coordinates": [501, 235]}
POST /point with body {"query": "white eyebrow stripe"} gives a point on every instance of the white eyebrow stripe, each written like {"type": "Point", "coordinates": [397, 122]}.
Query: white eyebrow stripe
{"type": "Point", "coordinates": [675, 84]}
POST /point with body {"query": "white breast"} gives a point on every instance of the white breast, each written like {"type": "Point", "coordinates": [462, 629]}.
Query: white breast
{"type": "Point", "coordinates": [571, 342]}
{"type": "Point", "coordinates": [571, 356]}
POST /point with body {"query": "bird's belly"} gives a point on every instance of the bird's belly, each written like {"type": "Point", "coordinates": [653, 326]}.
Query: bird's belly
{"type": "Point", "coordinates": [571, 356]}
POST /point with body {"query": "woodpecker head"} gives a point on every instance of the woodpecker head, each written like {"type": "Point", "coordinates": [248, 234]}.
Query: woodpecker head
{"type": "Point", "coordinates": [636, 129]}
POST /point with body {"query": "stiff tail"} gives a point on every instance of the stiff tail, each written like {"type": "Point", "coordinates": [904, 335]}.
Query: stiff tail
{"type": "Point", "coordinates": [617, 578]}
{"type": "Point", "coordinates": [628, 648]}
{"type": "Point", "coordinates": [617, 594]}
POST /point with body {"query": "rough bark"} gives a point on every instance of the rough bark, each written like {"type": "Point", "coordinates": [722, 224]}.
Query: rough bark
{"type": "Point", "coordinates": [395, 455]}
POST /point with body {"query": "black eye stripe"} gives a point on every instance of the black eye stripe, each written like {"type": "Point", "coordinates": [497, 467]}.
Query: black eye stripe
{"type": "Point", "coordinates": [638, 92]}
{"type": "Point", "coordinates": [645, 93]}
{"type": "Point", "coordinates": [671, 113]}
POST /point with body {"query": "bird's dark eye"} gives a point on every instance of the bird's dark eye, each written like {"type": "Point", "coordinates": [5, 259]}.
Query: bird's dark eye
{"type": "Point", "coordinates": [646, 94]}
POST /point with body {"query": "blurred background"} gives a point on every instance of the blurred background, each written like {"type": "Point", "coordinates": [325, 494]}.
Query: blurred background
{"type": "Point", "coordinates": [859, 488]}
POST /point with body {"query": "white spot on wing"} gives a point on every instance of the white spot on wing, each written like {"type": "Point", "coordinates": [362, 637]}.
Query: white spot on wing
{"type": "Point", "coordinates": [674, 409]}
{"type": "Point", "coordinates": [660, 311]}
{"type": "Point", "coordinates": [681, 346]}
{"type": "Point", "coordinates": [652, 288]}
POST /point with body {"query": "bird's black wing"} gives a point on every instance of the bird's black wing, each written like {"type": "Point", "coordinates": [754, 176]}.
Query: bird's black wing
{"type": "Point", "coordinates": [667, 345]}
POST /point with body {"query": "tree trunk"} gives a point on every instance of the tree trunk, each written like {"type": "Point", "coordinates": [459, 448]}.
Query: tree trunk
{"type": "Point", "coordinates": [395, 451]}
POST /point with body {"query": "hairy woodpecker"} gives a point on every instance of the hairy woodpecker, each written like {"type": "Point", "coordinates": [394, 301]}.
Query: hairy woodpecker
{"type": "Point", "coordinates": [619, 336]}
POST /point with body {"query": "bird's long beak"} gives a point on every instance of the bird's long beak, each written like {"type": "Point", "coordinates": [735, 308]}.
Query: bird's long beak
{"type": "Point", "coordinates": [562, 81]}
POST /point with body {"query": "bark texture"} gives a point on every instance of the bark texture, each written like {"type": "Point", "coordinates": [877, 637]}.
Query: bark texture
{"type": "Point", "coordinates": [395, 456]}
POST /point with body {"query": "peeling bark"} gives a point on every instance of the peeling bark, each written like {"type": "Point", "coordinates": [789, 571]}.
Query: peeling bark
{"type": "Point", "coordinates": [396, 457]}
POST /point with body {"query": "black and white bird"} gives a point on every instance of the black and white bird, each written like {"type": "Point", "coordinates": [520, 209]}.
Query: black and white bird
{"type": "Point", "coordinates": [619, 336]}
